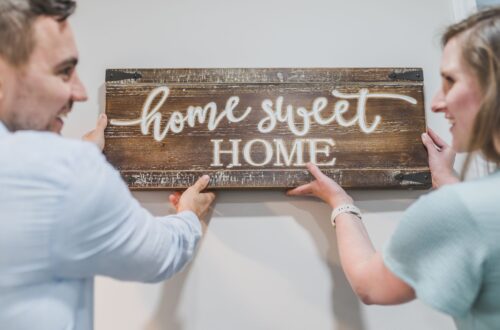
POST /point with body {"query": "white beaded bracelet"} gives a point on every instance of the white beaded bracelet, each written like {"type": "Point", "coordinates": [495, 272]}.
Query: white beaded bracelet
{"type": "Point", "coordinates": [345, 208]}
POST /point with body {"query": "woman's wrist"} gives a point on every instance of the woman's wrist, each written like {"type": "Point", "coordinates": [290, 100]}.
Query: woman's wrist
{"type": "Point", "coordinates": [336, 201]}
{"type": "Point", "coordinates": [444, 179]}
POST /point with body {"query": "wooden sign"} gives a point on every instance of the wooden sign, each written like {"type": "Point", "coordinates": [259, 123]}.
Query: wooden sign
{"type": "Point", "coordinates": [257, 128]}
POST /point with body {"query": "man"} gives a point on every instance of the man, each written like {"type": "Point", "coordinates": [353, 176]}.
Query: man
{"type": "Point", "coordinates": [65, 213]}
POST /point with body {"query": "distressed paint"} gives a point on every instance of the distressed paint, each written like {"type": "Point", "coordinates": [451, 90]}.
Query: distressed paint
{"type": "Point", "coordinates": [169, 148]}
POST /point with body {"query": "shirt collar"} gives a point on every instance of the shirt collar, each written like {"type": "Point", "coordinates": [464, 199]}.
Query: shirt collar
{"type": "Point", "coordinates": [3, 129]}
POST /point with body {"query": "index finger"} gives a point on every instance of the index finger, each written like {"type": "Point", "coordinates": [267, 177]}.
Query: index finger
{"type": "Point", "coordinates": [436, 138]}
{"type": "Point", "coordinates": [305, 189]}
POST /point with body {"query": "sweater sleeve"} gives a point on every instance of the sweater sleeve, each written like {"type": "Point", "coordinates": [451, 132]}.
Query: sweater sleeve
{"type": "Point", "coordinates": [438, 251]}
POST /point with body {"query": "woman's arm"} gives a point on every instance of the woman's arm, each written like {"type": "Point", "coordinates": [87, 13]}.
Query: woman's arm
{"type": "Point", "coordinates": [364, 267]}
{"type": "Point", "coordinates": [372, 281]}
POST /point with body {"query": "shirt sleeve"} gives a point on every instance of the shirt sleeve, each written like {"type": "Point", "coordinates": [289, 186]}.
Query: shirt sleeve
{"type": "Point", "coordinates": [437, 249]}
{"type": "Point", "coordinates": [103, 230]}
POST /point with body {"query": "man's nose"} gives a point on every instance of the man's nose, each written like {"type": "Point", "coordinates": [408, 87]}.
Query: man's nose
{"type": "Point", "coordinates": [78, 92]}
{"type": "Point", "coordinates": [438, 102]}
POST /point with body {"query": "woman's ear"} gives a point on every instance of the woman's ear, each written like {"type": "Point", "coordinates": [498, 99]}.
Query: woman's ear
{"type": "Point", "coordinates": [496, 142]}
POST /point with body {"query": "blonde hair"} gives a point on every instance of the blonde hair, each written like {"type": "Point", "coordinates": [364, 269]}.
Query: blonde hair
{"type": "Point", "coordinates": [480, 39]}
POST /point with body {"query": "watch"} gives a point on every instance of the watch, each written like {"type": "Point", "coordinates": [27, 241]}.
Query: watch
{"type": "Point", "coordinates": [345, 208]}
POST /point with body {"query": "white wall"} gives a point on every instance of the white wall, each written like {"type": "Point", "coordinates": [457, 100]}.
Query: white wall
{"type": "Point", "coordinates": [267, 261]}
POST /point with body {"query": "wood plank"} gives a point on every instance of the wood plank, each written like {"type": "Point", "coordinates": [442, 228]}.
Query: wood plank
{"type": "Point", "coordinates": [364, 123]}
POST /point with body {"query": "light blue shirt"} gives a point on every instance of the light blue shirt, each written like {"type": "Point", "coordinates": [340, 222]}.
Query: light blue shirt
{"type": "Point", "coordinates": [447, 248]}
{"type": "Point", "coordinates": [65, 216]}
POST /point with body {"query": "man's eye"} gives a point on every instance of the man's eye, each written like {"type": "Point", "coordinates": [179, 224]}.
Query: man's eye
{"type": "Point", "coordinates": [66, 73]}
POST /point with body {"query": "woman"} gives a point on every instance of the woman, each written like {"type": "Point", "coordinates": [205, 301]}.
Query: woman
{"type": "Point", "coordinates": [446, 250]}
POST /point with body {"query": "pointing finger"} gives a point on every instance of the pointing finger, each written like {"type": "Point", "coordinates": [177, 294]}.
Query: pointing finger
{"type": "Point", "coordinates": [436, 138]}
{"type": "Point", "coordinates": [429, 143]}
{"type": "Point", "coordinates": [300, 190]}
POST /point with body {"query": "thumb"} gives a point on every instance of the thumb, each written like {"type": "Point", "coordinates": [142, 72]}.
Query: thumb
{"type": "Point", "coordinates": [315, 171]}
{"type": "Point", "coordinates": [201, 183]}
{"type": "Point", "coordinates": [102, 122]}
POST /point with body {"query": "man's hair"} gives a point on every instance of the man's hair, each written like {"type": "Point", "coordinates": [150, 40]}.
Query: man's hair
{"type": "Point", "coordinates": [479, 36]}
{"type": "Point", "coordinates": [16, 20]}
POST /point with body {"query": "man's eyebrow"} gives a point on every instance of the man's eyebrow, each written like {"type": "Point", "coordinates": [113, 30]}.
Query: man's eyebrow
{"type": "Point", "coordinates": [70, 62]}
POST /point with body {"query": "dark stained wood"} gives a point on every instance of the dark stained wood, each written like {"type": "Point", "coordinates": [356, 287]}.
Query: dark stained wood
{"type": "Point", "coordinates": [384, 158]}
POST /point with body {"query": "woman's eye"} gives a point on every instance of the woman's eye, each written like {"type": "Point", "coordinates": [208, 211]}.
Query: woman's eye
{"type": "Point", "coordinates": [447, 83]}
{"type": "Point", "coordinates": [449, 79]}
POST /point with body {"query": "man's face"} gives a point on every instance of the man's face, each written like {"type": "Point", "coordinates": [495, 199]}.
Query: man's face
{"type": "Point", "coordinates": [40, 94]}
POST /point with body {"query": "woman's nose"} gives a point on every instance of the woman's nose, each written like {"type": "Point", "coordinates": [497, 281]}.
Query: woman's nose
{"type": "Point", "coordinates": [438, 102]}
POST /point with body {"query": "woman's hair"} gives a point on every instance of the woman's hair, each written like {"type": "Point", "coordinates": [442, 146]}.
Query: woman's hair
{"type": "Point", "coordinates": [480, 38]}
{"type": "Point", "coordinates": [16, 20]}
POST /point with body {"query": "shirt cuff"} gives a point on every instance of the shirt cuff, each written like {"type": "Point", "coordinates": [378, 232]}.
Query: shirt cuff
{"type": "Point", "coordinates": [191, 218]}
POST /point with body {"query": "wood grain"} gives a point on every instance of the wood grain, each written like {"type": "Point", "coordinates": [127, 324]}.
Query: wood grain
{"type": "Point", "coordinates": [385, 158]}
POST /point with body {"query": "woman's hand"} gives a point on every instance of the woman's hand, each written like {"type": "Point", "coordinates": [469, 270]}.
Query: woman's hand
{"type": "Point", "coordinates": [322, 187]}
{"type": "Point", "coordinates": [441, 159]}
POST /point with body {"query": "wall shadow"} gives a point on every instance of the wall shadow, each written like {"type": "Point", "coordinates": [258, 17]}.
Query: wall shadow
{"type": "Point", "coordinates": [166, 315]}
{"type": "Point", "coordinates": [346, 307]}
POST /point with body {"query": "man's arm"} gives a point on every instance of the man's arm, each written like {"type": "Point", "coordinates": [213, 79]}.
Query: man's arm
{"type": "Point", "coordinates": [102, 229]}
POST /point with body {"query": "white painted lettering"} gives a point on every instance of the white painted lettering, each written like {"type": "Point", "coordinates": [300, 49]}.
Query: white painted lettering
{"type": "Point", "coordinates": [268, 152]}
{"type": "Point", "coordinates": [234, 152]}
{"type": "Point", "coordinates": [176, 122]}
{"type": "Point", "coordinates": [314, 151]}
{"type": "Point", "coordinates": [282, 151]}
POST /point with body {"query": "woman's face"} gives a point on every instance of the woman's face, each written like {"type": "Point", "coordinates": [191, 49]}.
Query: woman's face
{"type": "Point", "coordinates": [459, 97]}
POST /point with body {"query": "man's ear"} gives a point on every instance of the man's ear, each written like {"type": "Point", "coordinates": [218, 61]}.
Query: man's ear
{"type": "Point", "coordinates": [6, 71]}
{"type": "Point", "coordinates": [3, 74]}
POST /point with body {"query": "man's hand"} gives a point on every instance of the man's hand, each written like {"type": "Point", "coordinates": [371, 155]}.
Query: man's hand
{"type": "Point", "coordinates": [193, 199]}
{"type": "Point", "coordinates": [97, 135]}
{"type": "Point", "coordinates": [322, 187]}
{"type": "Point", "coordinates": [441, 159]}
